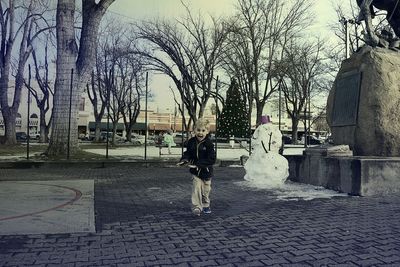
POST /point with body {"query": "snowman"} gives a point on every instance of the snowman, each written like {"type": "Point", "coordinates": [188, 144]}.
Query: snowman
{"type": "Point", "coordinates": [265, 166]}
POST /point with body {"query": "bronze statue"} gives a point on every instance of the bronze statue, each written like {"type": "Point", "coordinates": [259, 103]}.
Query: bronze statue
{"type": "Point", "coordinates": [385, 38]}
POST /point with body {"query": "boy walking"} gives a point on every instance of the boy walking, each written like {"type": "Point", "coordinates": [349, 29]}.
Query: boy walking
{"type": "Point", "coordinates": [200, 157]}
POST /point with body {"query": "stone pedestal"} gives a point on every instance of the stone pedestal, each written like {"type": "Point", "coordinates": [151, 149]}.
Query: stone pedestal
{"type": "Point", "coordinates": [314, 169]}
{"type": "Point", "coordinates": [335, 168]}
{"type": "Point", "coordinates": [363, 105]}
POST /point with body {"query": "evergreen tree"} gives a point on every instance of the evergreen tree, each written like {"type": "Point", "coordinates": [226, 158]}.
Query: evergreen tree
{"type": "Point", "coordinates": [233, 120]}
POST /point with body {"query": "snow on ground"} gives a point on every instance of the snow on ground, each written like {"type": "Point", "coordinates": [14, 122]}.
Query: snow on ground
{"type": "Point", "coordinates": [291, 191]}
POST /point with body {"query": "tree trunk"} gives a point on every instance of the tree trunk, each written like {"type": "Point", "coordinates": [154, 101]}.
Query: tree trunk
{"type": "Point", "coordinates": [114, 132]}
{"type": "Point", "coordinates": [5, 64]}
{"type": "Point", "coordinates": [129, 134]}
{"type": "Point", "coordinates": [295, 123]}
{"type": "Point", "coordinates": [97, 129]}
{"type": "Point", "coordinates": [66, 57]}
{"type": "Point", "coordinates": [259, 110]}
{"type": "Point", "coordinates": [44, 128]}
{"type": "Point", "coordinates": [24, 51]}
{"type": "Point", "coordinates": [8, 115]}
{"type": "Point", "coordinates": [9, 123]}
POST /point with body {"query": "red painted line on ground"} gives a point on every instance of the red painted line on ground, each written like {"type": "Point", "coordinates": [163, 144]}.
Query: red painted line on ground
{"type": "Point", "coordinates": [78, 195]}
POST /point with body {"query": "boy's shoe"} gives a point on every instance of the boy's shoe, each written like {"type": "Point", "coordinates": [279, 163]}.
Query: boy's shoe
{"type": "Point", "coordinates": [207, 210]}
{"type": "Point", "coordinates": [197, 211]}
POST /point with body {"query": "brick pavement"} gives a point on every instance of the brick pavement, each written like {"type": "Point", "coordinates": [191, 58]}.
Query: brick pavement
{"type": "Point", "coordinates": [143, 219]}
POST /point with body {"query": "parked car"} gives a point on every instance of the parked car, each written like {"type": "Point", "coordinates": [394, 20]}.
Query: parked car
{"type": "Point", "coordinates": [21, 136]}
{"type": "Point", "coordinates": [329, 140]}
{"type": "Point", "coordinates": [137, 139]}
{"type": "Point", "coordinates": [312, 140]}
{"type": "Point", "coordinates": [178, 139]}
{"type": "Point", "coordinates": [286, 139]}
{"type": "Point", "coordinates": [118, 138]}
{"type": "Point", "coordinates": [83, 136]}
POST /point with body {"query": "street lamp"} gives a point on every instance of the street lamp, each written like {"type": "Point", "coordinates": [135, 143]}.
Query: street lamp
{"type": "Point", "coordinates": [344, 21]}
{"type": "Point", "coordinates": [175, 110]}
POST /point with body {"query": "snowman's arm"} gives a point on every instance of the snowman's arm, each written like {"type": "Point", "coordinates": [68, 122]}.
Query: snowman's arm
{"type": "Point", "coordinates": [269, 142]}
{"type": "Point", "coordinates": [266, 151]}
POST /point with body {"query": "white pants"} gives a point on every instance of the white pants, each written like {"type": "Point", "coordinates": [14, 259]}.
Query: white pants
{"type": "Point", "coordinates": [169, 148]}
{"type": "Point", "coordinates": [200, 193]}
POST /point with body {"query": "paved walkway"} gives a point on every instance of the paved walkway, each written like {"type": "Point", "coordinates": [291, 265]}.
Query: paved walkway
{"type": "Point", "coordinates": [36, 207]}
{"type": "Point", "coordinates": [143, 219]}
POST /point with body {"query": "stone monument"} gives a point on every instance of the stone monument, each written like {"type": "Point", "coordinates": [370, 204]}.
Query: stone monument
{"type": "Point", "coordinates": [363, 112]}
{"type": "Point", "coordinates": [363, 109]}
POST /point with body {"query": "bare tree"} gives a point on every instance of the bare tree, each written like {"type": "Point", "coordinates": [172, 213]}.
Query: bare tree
{"type": "Point", "coordinates": [99, 98]}
{"type": "Point", "coordinates": [102, 83]}
{"type": "Point", "coordinates": [45, 92]}
{"type": "Point", "coordinates": [132, 83]}
{"type": "Point", "coordinates": [300, 73]}
{"type": "Point", "coordinates": [27, 30]}
{"type": "Point", "coordinates": [260, 31]}
{"type": "Point", "coordinates": [119, 77]}
{"type": "Point", "coordinates": [188, 51]}
{"type": "Point", "coordinates": [71, 57]}
{"type": "Point", "coordinates": [116, 102]}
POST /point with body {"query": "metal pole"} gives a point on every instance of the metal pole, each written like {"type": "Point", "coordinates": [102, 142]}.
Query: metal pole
{"type": "Point", "coordinates": [347, 39]}
{"type": "Point", "coordinates": [69, 116]}
{"type": "Point", "coordinates": [29, 111]}
{"type": "Point", "coordinates": [183, 113]}
{"type": "Point", "coordinates": [309, 109]}
{"type": "Point", "coordinates": [280, 103]}
{"type": "Point", "coordinates": [344, 21]}
{"type": "Point", "coordinates": [216, 118]}
{"type": "Point", "coordinates": [250, 133]}
{"type": "Point", "coordinates": [305, 120]}
{"type": "Point", "coordinates": [175, 111]}
{"type": "Point", "coordinates": [108, 117]}
{"type": "Point", "coordinates": [145, 137]}
{"type": "Point", "coordinates": [249, 115]}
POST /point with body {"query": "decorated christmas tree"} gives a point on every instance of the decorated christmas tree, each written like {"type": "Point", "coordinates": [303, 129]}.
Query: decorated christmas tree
{"type": "Point", "coordinates": [233, 120]}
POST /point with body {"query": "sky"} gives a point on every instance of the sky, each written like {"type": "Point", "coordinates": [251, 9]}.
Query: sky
{"type": "Point", "coordinates": [130, 10]}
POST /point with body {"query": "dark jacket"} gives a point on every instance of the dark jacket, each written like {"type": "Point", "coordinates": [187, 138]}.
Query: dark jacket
{"type": "Point", "coordinates": [201, 154]}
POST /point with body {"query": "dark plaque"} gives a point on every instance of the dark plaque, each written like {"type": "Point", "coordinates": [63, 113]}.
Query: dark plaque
{"type": "Point", "coordinates": [345, 103]}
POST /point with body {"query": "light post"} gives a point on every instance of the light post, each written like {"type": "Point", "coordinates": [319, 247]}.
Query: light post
{"type": "Point", "coordinates": [29, 111]}
{"type": "Point", "coordinates": [216, 117]}
{"type": "Point", "coordinates": [175, 118]}
{"type": "Point", "coordinates": [279, 104]}
{"type": "Point", "coordinates": [70, 110]}
{"type": "Point", "coordinates": [344, 21]}
{"type": "Point", "coordinates": [146, 122]}
{"type": "Point", "coordinates": [108, 118]}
